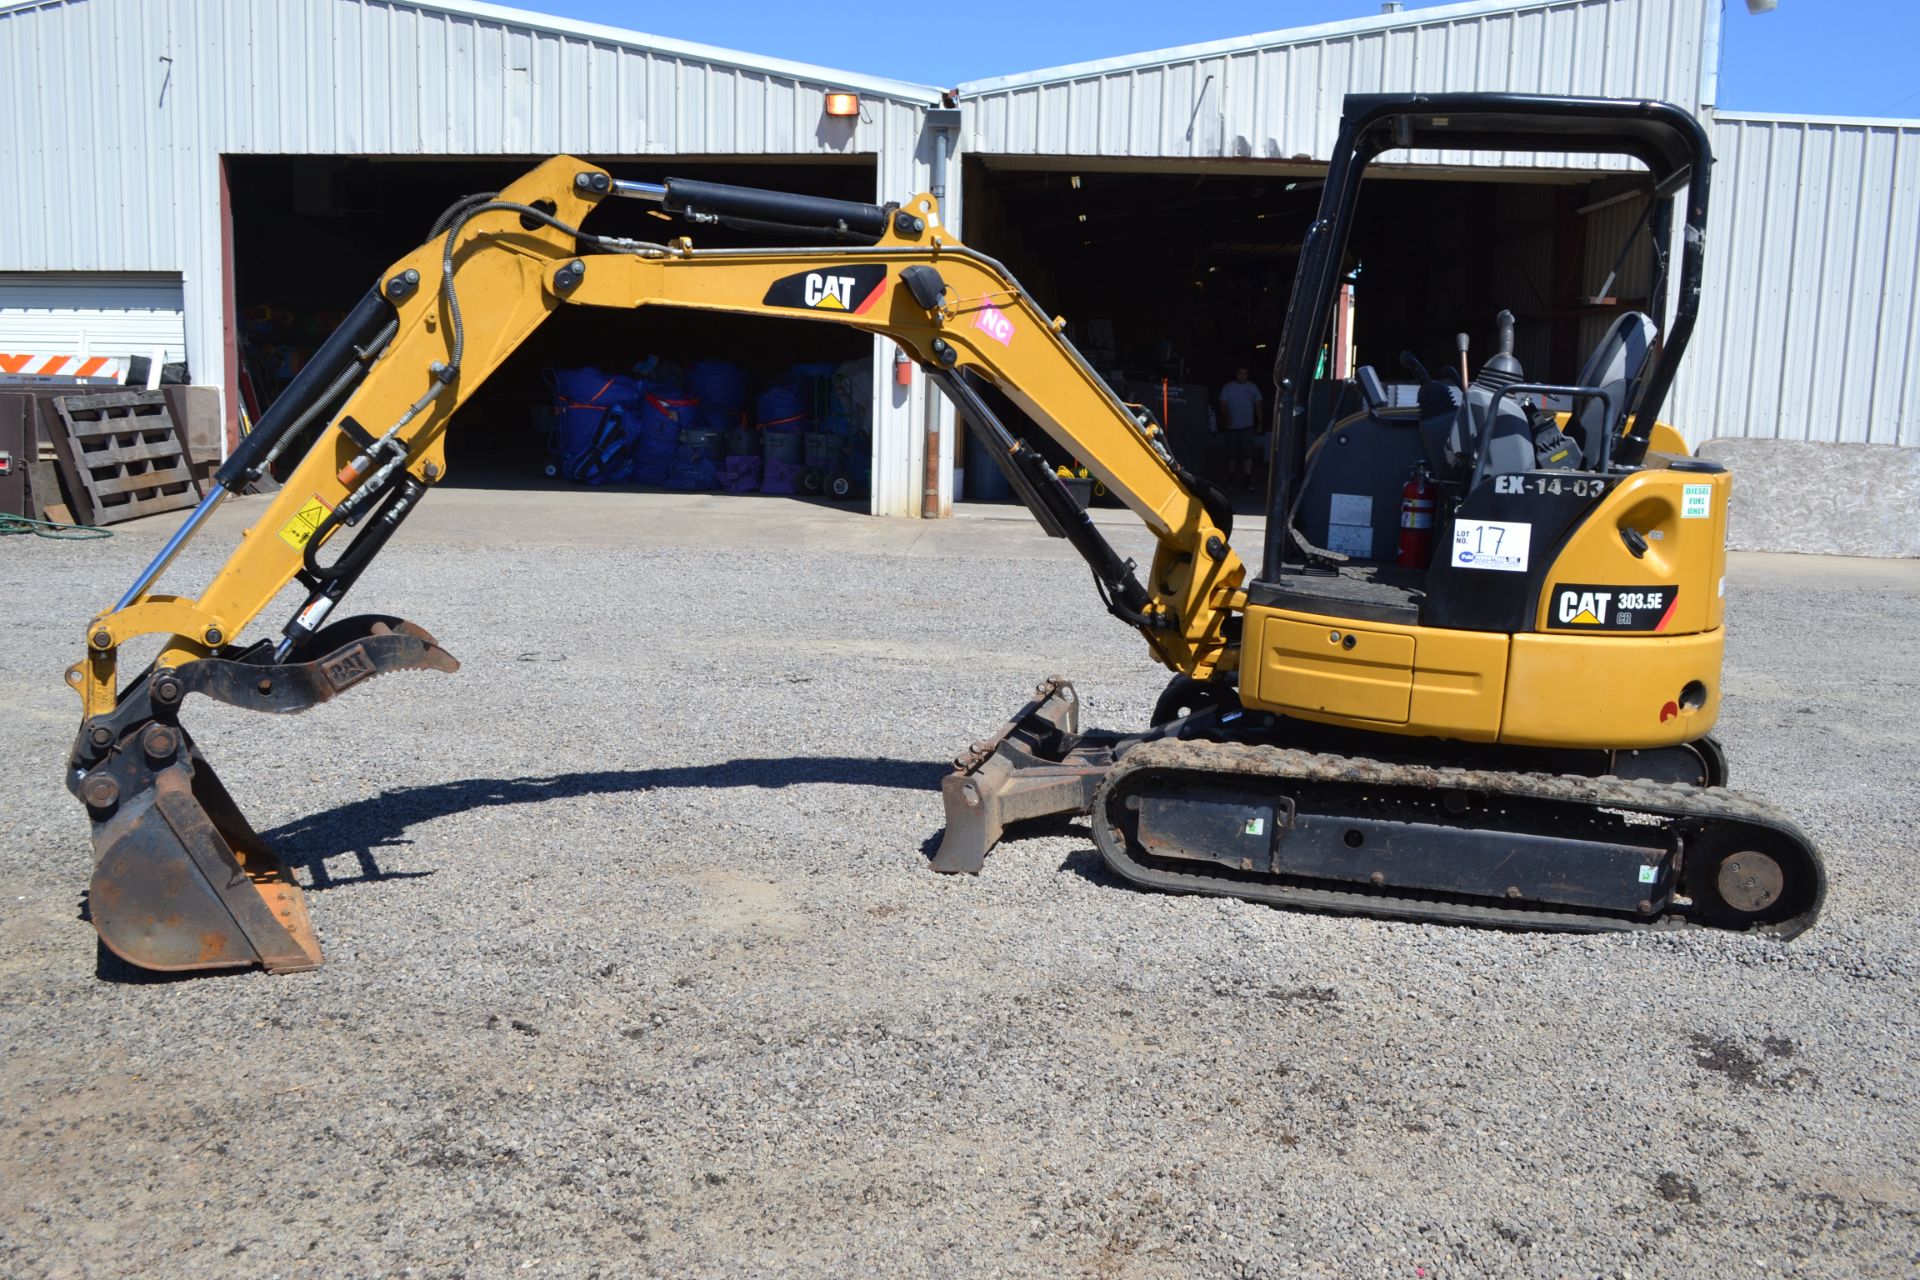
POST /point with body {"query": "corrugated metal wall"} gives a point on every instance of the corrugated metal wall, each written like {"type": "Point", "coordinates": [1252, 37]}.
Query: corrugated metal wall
{"type": "Point", "coordinates": [1278, 97]}
{"type": "Point", "coordinates": [117, 112]}
{"type": "Point", "coordinates": [1810, 323]}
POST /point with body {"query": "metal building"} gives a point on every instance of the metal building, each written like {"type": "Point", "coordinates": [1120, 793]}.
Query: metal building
{"type": "Point", "coordinates": [124, 116]}
{"type": "Point", "coordinates": [1277, 96]}
{"type": "Point", "coordinates": [139, 126]}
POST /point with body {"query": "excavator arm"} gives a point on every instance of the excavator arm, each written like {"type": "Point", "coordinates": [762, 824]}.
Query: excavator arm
{"type": "Point", "coordinates": [182, 882]}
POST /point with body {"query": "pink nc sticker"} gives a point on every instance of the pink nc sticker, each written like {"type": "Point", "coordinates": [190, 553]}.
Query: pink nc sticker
{"type": "Point", "coordinates": [991, 321]}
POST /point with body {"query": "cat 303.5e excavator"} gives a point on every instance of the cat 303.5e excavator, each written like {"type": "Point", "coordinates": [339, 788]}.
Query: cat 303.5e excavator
{"type": "Point", "coordinates": [1514, 734]}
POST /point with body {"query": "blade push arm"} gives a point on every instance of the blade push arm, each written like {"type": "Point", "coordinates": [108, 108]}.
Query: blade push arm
{"type": "Point", "coordinates": [444, 317]}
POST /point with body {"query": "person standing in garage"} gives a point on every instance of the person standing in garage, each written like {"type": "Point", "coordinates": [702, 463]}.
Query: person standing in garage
{"type": "Point", "coordinates": [1242, 424]}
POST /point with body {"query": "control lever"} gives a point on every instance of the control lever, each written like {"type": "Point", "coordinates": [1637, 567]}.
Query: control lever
{"type": "Point", "coordinates": [1502, 367]}
{"type": "Point", "coordinates": [1504, 323]}
{"type": "Point", "coordinates": [1460, 344]}
{"type": "Point", "coordinates": [1435, 399]}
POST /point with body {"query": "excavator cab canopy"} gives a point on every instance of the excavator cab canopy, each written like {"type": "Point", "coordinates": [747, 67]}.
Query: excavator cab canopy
{"type": "Point", "coordinates": [1667, 140]}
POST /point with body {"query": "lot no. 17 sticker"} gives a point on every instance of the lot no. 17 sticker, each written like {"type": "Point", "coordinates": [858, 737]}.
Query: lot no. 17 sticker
{"type": "Point", "coordinates": [1491, 544]}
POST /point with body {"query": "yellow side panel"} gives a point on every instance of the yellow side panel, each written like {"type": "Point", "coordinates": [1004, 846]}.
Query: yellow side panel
{"type": "Point", "coordinates": [1397, 679]}
{"type": "Point", "coordinates": [1612, 691]}
{"type": "Point", "coordinates": [1682, 516]}
{"type": "Point", "coordinates": [1338, 670]}
{"type": "Point", "coordinates": [1459, 679]}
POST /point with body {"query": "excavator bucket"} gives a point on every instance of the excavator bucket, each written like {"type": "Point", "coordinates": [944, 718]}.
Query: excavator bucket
{"type": "Point", "coordinates": [181, 880]}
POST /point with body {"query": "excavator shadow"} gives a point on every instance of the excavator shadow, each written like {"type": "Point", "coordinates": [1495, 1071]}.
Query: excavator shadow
{"type": "Point", "coordinates": [362, 828]}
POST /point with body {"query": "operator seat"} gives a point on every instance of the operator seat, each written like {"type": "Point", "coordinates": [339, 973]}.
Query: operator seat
{"type": "Point", "coordinates": [1613, 367]}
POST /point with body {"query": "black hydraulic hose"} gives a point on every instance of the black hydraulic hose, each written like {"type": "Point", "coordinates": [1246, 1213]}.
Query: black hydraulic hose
{"type": "Point", "coordinates": [457, 208]}
{"type": "Point", "coordinates": [330, 582]}
{"type": "Point", "coordinates": [457, 219]}
{"type": "Point", "coordinates": [396, 500]}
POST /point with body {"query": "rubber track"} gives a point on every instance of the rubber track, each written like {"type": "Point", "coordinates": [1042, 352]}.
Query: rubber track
{"type": "Point", "coordinates": [1664, 799]}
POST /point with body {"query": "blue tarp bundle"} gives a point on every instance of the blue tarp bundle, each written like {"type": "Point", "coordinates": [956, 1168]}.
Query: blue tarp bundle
{"type": "Point", "coordinates": [721, 389]}
{"type": "Point", "coordinates": [661, 418]}
{"type": "Point", "coordinates": [692, 471]}
{"type": "Point", "coordinates": [740, 473]}
{"type": "Point", "coordinates": [780, 402]}
{"type": "Point", "coordinates": [696, 463]}
{"type": "Point", "coordinates": [594, 425]}
{"type": "Point", "coordinates": [781, 477]}
{"type": "Point", "coordinates": [740, 464]}
{"type": "Point", "coordinates": [615, 428]}
{"type": "Point", "coordinates": [661, 376]}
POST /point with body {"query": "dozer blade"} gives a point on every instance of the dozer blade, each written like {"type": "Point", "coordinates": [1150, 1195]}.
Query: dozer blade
{"type": "Point", "coordinates": [183, 882]}
{"type": "Point", "coordinates": [1033, 766]}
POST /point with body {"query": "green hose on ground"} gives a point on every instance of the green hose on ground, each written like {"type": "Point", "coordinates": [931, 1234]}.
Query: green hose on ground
{"type": "Point", "coordinates": [49, 529]}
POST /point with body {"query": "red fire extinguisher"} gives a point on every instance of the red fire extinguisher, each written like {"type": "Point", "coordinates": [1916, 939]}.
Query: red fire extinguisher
{"type": "Point", "coordinates": [1418, 498]}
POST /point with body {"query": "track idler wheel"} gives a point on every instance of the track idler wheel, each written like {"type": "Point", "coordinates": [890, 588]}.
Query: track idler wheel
{"type": "Point", "coordinates": [180, 880]}
{"type": "Point", "coordinates": [1747, 880]}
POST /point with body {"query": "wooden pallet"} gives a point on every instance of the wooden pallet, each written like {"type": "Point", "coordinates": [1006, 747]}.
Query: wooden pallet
{"type": "Point", "coordinates": [123, 457]}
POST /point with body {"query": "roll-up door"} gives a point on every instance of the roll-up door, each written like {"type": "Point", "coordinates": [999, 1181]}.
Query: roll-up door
{"type": "Point", "coordinates": [92, 313]}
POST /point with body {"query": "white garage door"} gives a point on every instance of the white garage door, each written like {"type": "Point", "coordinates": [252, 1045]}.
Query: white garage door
{"type": "Point", "coordinates": [92, 313]}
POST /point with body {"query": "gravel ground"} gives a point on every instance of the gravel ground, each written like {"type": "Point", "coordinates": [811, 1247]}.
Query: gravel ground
{"type": "Point", "coordinates": [635, 964]}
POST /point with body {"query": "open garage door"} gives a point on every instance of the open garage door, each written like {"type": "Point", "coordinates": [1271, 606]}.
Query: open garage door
{"type": "Point", "coordinates": [1172, 280]}
{"type": "Point", "coordinates": [311, 233]}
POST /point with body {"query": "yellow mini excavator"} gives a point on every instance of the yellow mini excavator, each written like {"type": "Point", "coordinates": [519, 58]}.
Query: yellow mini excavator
{"type": "Point", "coordinates": [1513, 733]}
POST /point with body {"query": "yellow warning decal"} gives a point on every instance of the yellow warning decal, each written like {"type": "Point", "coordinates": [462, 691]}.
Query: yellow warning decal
{"type": "Point", "coordinates": [298, 531]}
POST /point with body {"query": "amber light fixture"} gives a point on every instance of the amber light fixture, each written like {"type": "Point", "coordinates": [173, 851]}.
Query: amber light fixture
{"type": "Point", "coordinates": [843, 104]}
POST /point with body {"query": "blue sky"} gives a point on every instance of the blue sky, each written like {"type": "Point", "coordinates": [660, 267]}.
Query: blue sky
{"type": "Point", "coordinates": [1816, 57]}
